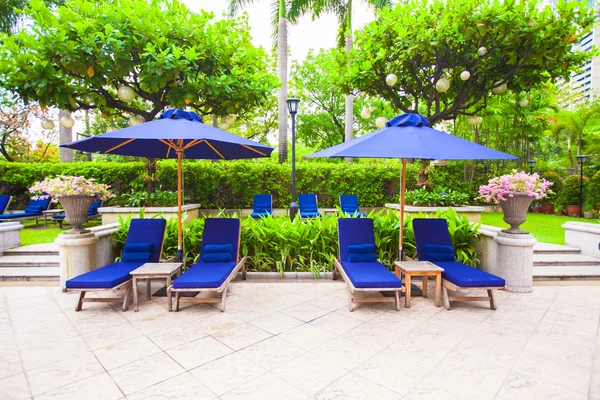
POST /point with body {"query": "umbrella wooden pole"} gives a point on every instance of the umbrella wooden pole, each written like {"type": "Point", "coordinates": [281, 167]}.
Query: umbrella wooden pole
{"type": "Point", "coordinates": [402, 192]}
{"type": "Point", "coordinates": [179, 200]}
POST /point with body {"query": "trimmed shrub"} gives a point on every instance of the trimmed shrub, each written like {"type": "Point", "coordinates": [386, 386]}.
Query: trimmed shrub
{"type": "Point", "coordinates": [556, 188]}
{"type": "Point", "coordinates": [570, 192]}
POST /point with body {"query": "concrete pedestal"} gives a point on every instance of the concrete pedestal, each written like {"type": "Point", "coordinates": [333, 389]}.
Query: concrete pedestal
{"type": "Point", "coordinates": [77, 254]}
{"type": "Point", "coordinates": [10, 235]}
{"type": "Point", "coordinates": [515, 260]}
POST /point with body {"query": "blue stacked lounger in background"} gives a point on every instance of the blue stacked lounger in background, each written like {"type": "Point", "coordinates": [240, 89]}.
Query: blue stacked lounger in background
{"type": "Point", "coordinates": [33, 211]}
{"type": "Point", "coordinates": [4, 202]}
{"type": "Point", "coordinates": [435, 245]}
{"type": "Point", "coordinates": [219, 264]}
{"type": "Point", "coordinates": [308, 206]}
{"type": "Point", "coordinates": [349, 205]}
{"type": "Point", "coordinates": [143, 245]}
{"type": "Point", "coordinates": [358, 263]}
{"type": "Point", "coordinates": [263, 206]}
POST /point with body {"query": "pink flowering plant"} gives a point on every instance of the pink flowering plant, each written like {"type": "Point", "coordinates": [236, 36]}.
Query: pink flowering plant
{"type": "Point", "coordinates": [63, 185]}
{"type": "Point", "coordinates": [503, 187]}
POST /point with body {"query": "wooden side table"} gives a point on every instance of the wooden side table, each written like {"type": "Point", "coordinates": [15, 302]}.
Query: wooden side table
{"type": "Point", "coordinates": [151, 271]}
{"type": "Point", "coordinates": [51, 212]}
{"type": "Point", "coordinates": [330, 211]}
{"type": "Point", "coordinates": [425, 269]}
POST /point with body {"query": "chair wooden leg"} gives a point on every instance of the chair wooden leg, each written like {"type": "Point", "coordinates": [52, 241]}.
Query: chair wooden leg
{"type": "Point", "coordinates": [126, 298]}
{"type": "Point", "coordinates": [492, 299]}
{"type": "Point", "coordinates": [334, 273]}
{"type": "Point", "coordinates": [80, 301]}
{"type": "Point", "coordinates": [223, 298]}
{"type": "Point", "coordinates": [170, 298]}
{"type": "Point", "coordinates": [350, 305]}
{"type": "Point", "coordinates": [176, 301]}
{"type": "Point", "coordinates": [446, 299]}
{"type": "Point", "coordinates": [244, 273]}
{"type": "Point", "coordinates": [397, 294]}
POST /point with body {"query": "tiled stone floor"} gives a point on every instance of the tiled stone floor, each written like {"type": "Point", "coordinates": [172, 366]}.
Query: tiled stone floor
{"type": "Point", "coordinates": [299, 341]}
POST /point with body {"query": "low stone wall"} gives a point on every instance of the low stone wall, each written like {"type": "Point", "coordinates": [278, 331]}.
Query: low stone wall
{"type": "Point", "coordinates": [110, 215]}
{"type": "Point", "coordinates": [10, 235]}
{"type": "Point", "coordinates": [583, 235]}
{"type": "Point", "coordinates": [473, 213]}
{"type": "Point", "coordinates": [487, 248]}
{"type": "Point", "coordinates": [277, 212]}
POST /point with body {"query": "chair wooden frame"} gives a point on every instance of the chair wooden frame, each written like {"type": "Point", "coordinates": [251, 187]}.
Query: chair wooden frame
{"type": "Point", "coordinates": [352, 289]}
{"type": "Point", "coordinates": [127, 286]}
{"type": "Point", "coordinates": [447, 285]}
{"type": "Point", "coordinates": [222, 290]}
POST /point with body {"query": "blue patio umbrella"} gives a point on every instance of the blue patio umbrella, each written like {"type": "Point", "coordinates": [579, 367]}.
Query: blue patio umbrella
{"type": "Point", "coordinates": [408, 136]}
{"type": "Point", "coordinates": [175, 134]}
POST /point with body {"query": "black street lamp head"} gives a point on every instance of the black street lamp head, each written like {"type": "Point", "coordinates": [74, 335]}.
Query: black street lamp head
{"type": "Point", "coordinates": [582, 158]}
{"type": "Point", "coordinates": [531, 163]}
{"type": "Point", "coordinates": [292, 104]}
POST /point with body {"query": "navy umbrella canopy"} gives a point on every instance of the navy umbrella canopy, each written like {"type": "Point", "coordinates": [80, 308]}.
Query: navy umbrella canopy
{"type": "Point", "coordinates": [405, 137]}
{"type": "Point", "coordinates": [175, 134]}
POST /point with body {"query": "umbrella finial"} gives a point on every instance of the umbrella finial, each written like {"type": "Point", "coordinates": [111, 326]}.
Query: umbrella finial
{"type": "Point", "coordinates": [409, 119]}
{"type": "Point", "coordinates": [175, 113]}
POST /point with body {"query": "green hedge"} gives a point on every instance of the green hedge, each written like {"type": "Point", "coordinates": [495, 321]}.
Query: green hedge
{"type": "Point", "coordinates": [279, 244]}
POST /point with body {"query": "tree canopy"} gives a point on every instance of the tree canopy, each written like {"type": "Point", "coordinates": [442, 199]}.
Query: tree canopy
{"type": "Point", "coordinates": [514, 43]}
{"type": "Point", "coordinates": [78, 55]}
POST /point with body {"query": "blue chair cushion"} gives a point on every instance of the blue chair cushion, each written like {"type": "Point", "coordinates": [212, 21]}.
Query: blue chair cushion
{"type": "Point", "coordinates": [59, 217]}
{"type": "Point", "coordinates": [138, 248]}
{"type": "Point", "coordinates": [370, 275]}
{"type": "Point", "coordinates": [137, 257]}
{"type": "Point", "coordinates": [466, 276]}
{"type": "Point", "coordinates": [309, 209]}
{"type": "Point", "coordinates": [33, 210]}
{"type": "Point", "coordinates": [216, 257]}
{"type": "Point", "coordinates": [203, 275]}
{"type": "Point", "coordinates": [304, 214]}
{"type": "Point", "coordinates": [260, 214]}
{"type": "Point", "coordinates": [262, 207]}
{"type": "Point", "coordinates": [362, 257]}
{"type": "Point", "coordinates": [436, 252]}
{"type": "Point", "coordinates": [104, 278]}
{"type": "Point", "coordinates": [361, 248]}
{"type": "Point", "coordinates": [218, 248]}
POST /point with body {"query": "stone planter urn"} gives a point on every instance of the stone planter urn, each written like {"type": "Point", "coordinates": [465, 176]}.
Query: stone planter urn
{"type": "Point", "coordinates": [515, 211]}
{"type": "Point", "coordinates": [76, 211]}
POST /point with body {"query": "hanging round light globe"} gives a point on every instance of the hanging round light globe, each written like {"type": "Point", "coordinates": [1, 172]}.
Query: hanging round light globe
{"type": "Point", "coordinates": [391, 79]}
{"type": "Point", "coordinates": [442, 85]}
{"type": "Point", "coordinates": [67, 122]}
{"type": "Point", "coordinates": [524, 102]}
{"type": "Point", "coordinates": [475, 120]}
{"type": "Point", "coordinates": [137, 120]}
{"type": "Point", "coordinates": [465, 75]}
{"type": "Point", "coordinates": [365, 113]}
{"type": "Point", "coordinates": [88, 99]}
{"type": "Point", "coordinates": [371, 108]}
{"type": "Point", "coordinates": [126, 94]}
{"type": "Point", "coordinates": [499, 89]}
{"type": "Point", "coordinates": [111, 129]}
{"type": "Point", "coordinates": [380, 122]}
{"type": "Point", "coordinates": [47, 124]}
{"type": "Point", "coordinates": [229, 120]}
{"type": "Point", "coordinates": [224, 126]}
{"type": "Point", "coordinates": [482, 51]}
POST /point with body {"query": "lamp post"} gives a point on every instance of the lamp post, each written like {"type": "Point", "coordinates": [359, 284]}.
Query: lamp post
{"type": "Point", "coordinates": [292, 104]}
{"type": "Point", "coordinates": [581, 159]}
{"type": "Point", "coordinates": [531, 164]}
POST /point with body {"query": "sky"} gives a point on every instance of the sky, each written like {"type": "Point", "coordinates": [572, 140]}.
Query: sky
{"type": "Point", "coordinates": [306, 35]}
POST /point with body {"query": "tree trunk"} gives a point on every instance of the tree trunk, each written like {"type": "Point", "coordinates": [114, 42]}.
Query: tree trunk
{"type": "Point", "coordinates": [569, 152]}
{"type": "Point", "coordinates": [282, 57]}
{"type": "Point", "coordinates": [215, 121]}
{"type": "Point", "coordinates": [65, 136]}
{"type": "Point", "coordinates": [349, 120]}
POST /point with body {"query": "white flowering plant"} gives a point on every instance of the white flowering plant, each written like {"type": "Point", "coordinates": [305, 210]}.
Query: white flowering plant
{"type": "Point", "coordinates": [63, 185]}
{"type": "Point", "coordinates": [503, 187]}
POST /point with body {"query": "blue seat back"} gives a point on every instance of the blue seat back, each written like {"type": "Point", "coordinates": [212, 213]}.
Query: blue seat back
{"type": "Point", "coordinates": [430, 231]}
{"type": "Point", "coordinates": [354, 231]}
{"type": "Point", "coordinates": [4, 202]}
{"type": "Point", "coordinates": [349, 203]}
{"type": "Point", "coordinates": [222, 231]}
{"type": "Point", "coordinates": [308, 202]}
{"type": "Point", "coordinates": [43, 203]}
{"type": "Point", "coordinates": [148, 231]}
{"type": "Point", "coordinates": [263, 203]}
{"type": "Point", "coordinates": [94, 207]}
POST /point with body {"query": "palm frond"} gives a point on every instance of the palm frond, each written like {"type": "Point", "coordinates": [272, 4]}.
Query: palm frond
{"type": "Point", "coordinates": [233, 6]}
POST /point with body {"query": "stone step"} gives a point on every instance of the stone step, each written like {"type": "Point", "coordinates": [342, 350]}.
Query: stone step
{"type": "Point", "coordinates": [564, 260]}
{"type": "Point", "coordinates": [45, 249]}
{"type": "Point", "coordinates": [567, 272]}
{"type": "Point", "coordinates": [30, 274]}
{"type": "Point", "coordinates": [29, 261]}
{"type": "Point", "coordinates": [550, 248]}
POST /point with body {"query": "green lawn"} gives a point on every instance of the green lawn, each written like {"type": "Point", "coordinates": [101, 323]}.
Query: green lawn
{"type": "Point", "coordinates": [37, 234]}
{"type": "Point", "coordinates": [544, 227]}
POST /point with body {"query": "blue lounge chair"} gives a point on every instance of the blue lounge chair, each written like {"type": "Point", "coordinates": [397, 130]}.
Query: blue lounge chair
{"type": "Point", "coordinates": [358, 264]}
{"type": "Point", "coordinates": [263, 206]}
{"type": "Point", "coordinates": [92, 213]}
{"type": "Point", "coordinates": [308, 206]}
{"type": "Point", "coordinates": [435, 245]}
{"type": "Point", "coordinates": [4, 202]}
{"type": "Point", "coordinates": [33, 211]}
{"type": "Point", "coordinates": [349, 205]}
{"type": "Point", "coordinates": [143, 245]}
{"type": "Point", "coordinates": [219, 264]}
